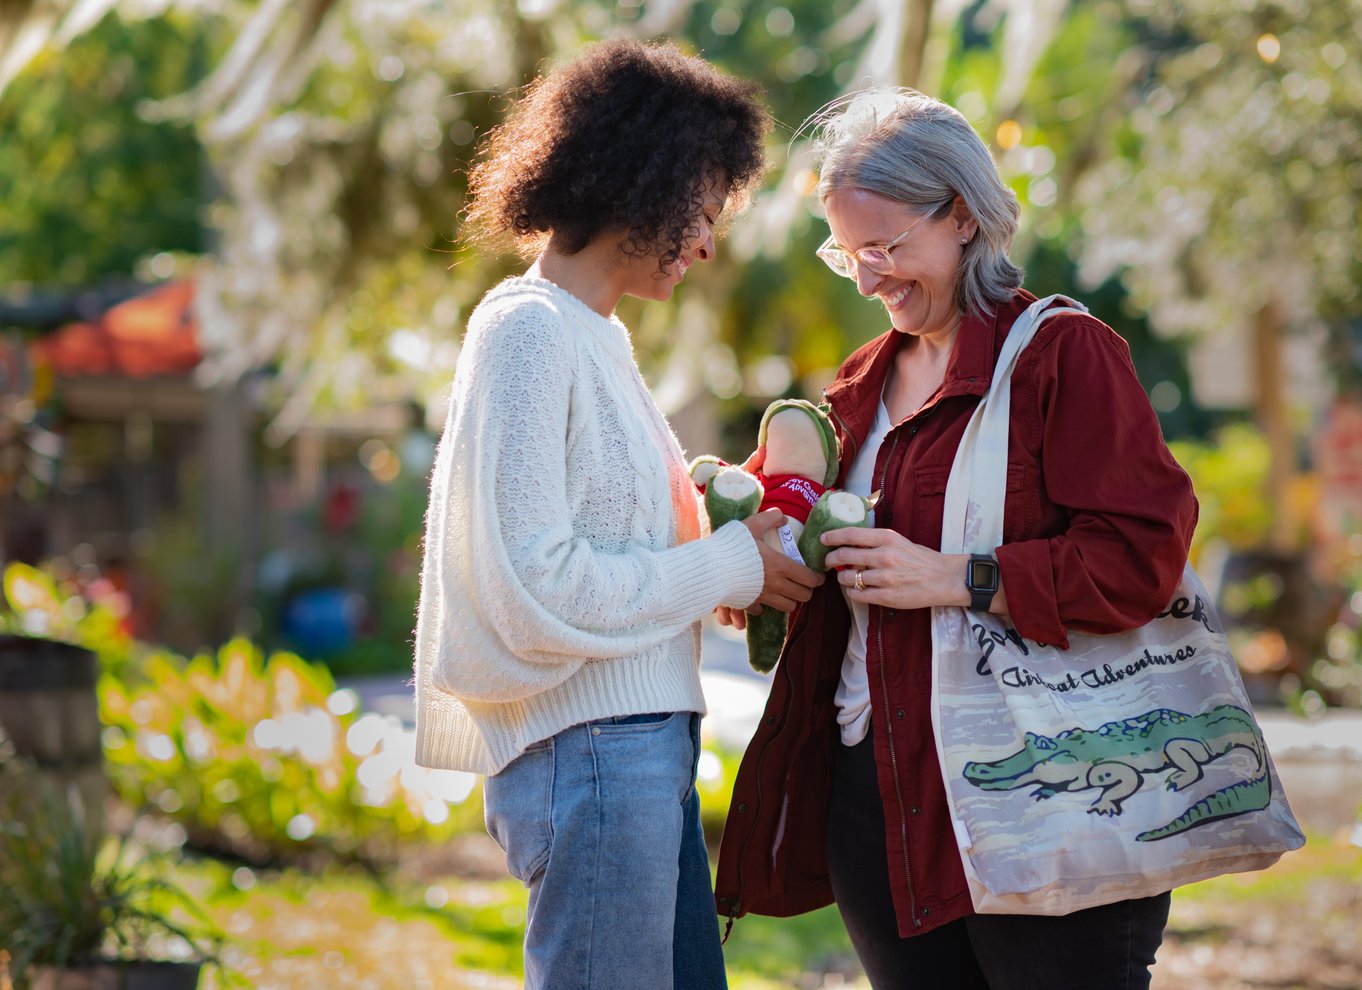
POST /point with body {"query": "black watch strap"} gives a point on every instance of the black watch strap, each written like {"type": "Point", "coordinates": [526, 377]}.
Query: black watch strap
{"type": "Point", "coordinates": [981, 578]}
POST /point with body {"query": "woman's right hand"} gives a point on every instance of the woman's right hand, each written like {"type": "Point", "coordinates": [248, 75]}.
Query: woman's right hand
{"type": "Point", "coordinates": [784, 583]}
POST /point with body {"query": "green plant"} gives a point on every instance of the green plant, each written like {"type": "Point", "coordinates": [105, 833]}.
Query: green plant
{"type": "Point", "coordinates": [40, 607]}
{"type": "Point", "coordinates": [256, 756]}
{"type": "Point", "coordinates": [1336, 675]}
{"type": "Point", "coordinates": [264, 758]}
{"type": "Point", "coordinates": [73, 898]}
{"type": "Point", "coordinates": [1229, 474]}
{"type": "Point", "coordinates": [193, 577]}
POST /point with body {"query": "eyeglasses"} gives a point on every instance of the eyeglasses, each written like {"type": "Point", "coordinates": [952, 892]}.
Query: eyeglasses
{"type": "Point", "coordinates": [874, 257]}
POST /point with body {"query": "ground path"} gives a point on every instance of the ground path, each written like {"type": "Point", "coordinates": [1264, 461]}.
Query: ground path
{"type": "Point", "coordinates": [1295, 927]}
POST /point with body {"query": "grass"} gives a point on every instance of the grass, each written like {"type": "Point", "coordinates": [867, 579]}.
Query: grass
{"type": "Point", "coordinates": [346, 930]}
{"type": "Point", "coordinates": [1323, 858]}
{"type": "Point", "coordinates": [343, 929]}
{"type": "Point", "coordinates": [1294, 926]}
{"type": "Point", "coordinates": [811, 950]}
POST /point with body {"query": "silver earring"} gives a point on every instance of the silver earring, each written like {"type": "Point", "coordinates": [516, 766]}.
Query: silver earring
{"type": "Point", "coordinates": [964, 240]}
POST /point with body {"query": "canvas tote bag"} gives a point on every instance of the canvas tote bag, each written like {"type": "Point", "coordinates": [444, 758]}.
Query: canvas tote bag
{"type": "Point", "coordinates": [1121, 767]}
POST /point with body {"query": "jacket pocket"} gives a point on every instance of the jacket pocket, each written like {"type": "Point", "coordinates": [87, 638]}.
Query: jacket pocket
{"type": "Point", "coordinates": [929, 502]}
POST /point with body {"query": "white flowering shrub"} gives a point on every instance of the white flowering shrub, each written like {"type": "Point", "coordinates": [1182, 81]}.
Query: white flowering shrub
{"type": "Point", "coordinates": [265, 758]}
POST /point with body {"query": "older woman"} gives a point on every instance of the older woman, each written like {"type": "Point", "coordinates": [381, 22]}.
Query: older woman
{"type": "Point", "coordinates": [840, 795]}
{"type": "Point", "coordinates": [557, 643]}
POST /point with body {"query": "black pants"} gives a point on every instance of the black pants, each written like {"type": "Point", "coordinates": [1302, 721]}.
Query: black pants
{"type": "Point", "coordinates": [1103, 948]}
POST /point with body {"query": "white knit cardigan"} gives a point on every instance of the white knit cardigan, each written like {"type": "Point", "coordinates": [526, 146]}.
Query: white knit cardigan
{"type": "Point", "coordinates": [564, 573]}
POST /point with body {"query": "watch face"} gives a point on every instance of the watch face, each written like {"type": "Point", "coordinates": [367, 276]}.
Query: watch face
{"type": "Point", "coordinates": [983, 574]}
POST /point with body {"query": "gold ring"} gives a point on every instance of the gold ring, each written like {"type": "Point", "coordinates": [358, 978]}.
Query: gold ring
{"type": "Point", "coordinates": [860, 582]}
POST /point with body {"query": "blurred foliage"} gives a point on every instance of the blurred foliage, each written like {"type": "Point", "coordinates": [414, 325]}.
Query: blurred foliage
{"type": "Point", "coordinates": [338, 928]}
{"type": "Point", "coordinates": [341, 183]}
{"type": "Point", "coordinates": [1167, 139]}
{"type": "Point", "coordinates": [263, 758]}
{"type": "Point", "coordinates": [335, 927]}
{"type": "Point", "coordinates": [1336, 675]}
{"type": "Point", "coordinates": [717, 771]}
{"type": "Point", "coordinates": [73, 897]}
{"type": "Point", "coordinates": [1236, 186]}
{"type": "Point", "coordinates": [765, 953]}
{"type": "Point", "coordinates": [1228, 473]}
{"type": "Point", "coordinates": [1160, 361]}
{"type": "Point", "coordinates": [260, 757]}
{"type": "Point", "coordinates": [38, 607]}
{"type": "Point", "coordinates": [340, 180]}
{"type": "Point", "coordinates": [190, 579]}
{"type": "Point", "coordinates": [384, 568]}
{"type": "Point", "coordinates": [1277, 607]}
{"type": "Point", "coordinates": [1179, 166]}
{"type": "Point", "coordinates": [91, 185]}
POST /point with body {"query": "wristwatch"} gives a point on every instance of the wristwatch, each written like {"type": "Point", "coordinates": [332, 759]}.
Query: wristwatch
{"type": "Point", "coordinates": [981, 578]}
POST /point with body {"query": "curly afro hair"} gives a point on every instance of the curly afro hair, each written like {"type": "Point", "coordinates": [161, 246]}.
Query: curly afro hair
{"type": "Point", "coordinates": [625, 138]}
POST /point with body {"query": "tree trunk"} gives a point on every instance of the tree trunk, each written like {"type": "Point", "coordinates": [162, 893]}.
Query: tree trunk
{"type": "Point", "coordinates": [1272, 416]}
{"type": "Point", "coordinates": [917, 25]}
{"type": "Point", "coordinates": [229, 522]}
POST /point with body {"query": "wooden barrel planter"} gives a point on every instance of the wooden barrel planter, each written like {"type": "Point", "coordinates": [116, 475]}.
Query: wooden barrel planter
{"type": "Point", "coordinates": [49, 712]}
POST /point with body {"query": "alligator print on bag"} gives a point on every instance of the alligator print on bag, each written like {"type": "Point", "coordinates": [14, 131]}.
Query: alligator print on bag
{"type": "Point", "coordinates": [1115, 757]}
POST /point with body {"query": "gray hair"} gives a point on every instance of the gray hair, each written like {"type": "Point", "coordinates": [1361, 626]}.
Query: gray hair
{"type": "Point", "coordinates": [918, 151]}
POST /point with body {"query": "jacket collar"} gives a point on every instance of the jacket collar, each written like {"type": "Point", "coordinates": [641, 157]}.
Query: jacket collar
{"type": "Point", "coordinates": [856, 391]}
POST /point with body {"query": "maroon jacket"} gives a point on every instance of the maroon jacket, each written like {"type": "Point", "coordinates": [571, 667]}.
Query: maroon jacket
{"type": "Point", "coordinates": [1097, 521]}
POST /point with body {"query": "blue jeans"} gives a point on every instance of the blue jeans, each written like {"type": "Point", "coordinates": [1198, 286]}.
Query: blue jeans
{"type": "Point", "coordinates": [602, 824]}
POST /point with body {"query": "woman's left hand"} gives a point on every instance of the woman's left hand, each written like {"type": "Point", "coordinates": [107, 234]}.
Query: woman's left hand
{"type": "Point", "coordinates": [894, 572]}
{"type": "Point", "coordinates": [734, 617]}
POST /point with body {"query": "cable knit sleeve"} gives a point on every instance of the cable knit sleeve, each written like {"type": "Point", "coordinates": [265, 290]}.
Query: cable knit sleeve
{"type": "Point", "coordinates": [547, 536]}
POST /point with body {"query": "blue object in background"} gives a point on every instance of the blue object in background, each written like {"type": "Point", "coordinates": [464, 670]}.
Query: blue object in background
{"type": "Point", "coordinates": [322, 621]}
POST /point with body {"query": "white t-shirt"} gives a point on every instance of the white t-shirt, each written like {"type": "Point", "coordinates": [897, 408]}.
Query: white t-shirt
{"type": "Point", "coordinates": [853, 691]}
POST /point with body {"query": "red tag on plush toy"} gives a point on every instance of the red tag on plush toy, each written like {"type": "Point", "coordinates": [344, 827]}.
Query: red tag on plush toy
{"type": "Point", "coordinates": [792, 494]}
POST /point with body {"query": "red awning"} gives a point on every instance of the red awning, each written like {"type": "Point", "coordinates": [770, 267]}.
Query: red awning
{"type": "Point", "coordinates": [151, 334]}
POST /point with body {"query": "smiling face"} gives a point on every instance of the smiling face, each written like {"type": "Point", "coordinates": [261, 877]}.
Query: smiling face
{"type": "Point", "coordinates": [641, 277]}
{"type": "Point", "coordinates": [919, 294]}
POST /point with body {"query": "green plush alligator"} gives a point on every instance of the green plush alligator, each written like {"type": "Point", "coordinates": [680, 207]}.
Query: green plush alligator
{"type": "Point", "coordinates": [1115, 756]}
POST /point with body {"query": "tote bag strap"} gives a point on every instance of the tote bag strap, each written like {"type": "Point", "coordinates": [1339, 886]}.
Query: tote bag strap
{"type": "Point", "coordinates": [977, 486]}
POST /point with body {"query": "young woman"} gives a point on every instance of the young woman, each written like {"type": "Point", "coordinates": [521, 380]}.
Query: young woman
{"type": "Point", "coordinates": [557, 647]}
